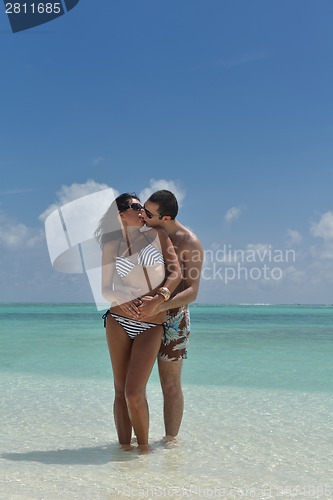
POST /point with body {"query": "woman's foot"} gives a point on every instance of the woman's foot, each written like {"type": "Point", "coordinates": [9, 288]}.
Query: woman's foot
{"type": "Point", "coordinates": [126, 447]}
{"type": "Point", "coordinates": [145, 448]}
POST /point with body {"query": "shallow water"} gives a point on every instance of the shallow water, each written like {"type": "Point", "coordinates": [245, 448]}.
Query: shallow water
{"type": "Point", "coordinates": [257, 424]}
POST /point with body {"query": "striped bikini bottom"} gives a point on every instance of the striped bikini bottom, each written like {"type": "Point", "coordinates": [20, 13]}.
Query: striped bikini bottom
{"type": "Point", "coordinates": [131, 326]}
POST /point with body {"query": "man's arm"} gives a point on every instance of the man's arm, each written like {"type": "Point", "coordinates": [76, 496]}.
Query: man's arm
{"type": "Point", "coordinates": [150, 304]}
{"type": "Point", "coordinates": [191, 260]}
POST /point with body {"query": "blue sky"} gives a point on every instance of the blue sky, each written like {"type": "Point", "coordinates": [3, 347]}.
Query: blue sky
{"type": "Point", "coordinates": [228, 103]}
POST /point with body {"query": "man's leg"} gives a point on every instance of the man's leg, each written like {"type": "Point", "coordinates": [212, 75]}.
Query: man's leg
{"type": "Point", "coordinates": [170, 361]}
{"type": "Point", "coordinates": [170, 377]}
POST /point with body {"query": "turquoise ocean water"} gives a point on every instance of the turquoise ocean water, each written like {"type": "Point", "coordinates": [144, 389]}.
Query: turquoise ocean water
{"type": "Point", "coordinates": [258, 386]}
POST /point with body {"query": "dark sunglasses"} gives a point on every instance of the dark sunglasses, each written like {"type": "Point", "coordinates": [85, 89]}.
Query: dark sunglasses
{"type": "Point", "coordinates": [134, 206]}
{"type": "Point", "coordinates": [150, 215]}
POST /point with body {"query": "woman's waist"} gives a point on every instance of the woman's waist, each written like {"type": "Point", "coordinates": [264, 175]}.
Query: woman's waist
{"type": "Point", "coordinates": [139, 288]}
{"type": "Point", "coordinates": [156, 318]}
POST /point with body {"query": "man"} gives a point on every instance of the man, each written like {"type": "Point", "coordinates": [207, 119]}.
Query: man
{"type": "Point", "coordinates": [161, 210]}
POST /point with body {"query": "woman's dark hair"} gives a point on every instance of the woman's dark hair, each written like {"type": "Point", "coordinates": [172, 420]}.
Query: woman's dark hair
{"type": "Point", "coordinates": [123, 200]}
{"type": "Point", "coordinates": [109, 227]}
{"type": "Point", "coordinates": [166, 201]}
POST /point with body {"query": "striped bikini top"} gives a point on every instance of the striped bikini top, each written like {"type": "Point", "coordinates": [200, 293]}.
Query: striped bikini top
{"type": "Point", "coordinates": [148, 256]}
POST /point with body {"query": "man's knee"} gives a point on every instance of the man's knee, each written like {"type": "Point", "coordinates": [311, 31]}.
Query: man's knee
{"type": "Point", "coordinates": [170, 377]}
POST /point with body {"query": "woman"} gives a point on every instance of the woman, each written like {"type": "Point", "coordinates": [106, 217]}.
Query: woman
{"type": "Point", "coordinates": [135, 263]}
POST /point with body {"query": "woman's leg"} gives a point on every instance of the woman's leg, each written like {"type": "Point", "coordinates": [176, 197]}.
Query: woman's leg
{"type": "Point", "coordinates": [143, 356]}
{"type": "Point", "coordinates": [120, 346]}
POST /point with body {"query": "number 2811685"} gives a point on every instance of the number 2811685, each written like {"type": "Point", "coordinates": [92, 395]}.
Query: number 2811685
{"type": "Point", "coordinates": [33, 8]}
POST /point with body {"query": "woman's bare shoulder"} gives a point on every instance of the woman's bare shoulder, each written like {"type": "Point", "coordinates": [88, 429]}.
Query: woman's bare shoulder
{"type": "Point", "coordinates": [111, 246]}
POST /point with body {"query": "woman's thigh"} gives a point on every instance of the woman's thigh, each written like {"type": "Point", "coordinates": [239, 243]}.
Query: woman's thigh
{"type": "Point", "coordinates": [120, 347]}
{"type": "Point", "coordinates": [143, 356]}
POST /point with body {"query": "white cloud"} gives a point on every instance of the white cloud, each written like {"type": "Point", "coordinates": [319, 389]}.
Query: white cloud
{"type": "Point", "coordinates": [323, 228]}
{"type": "Point", "coordinates": [295, 275]}
{"type": "Point", "coordinates": [157, 184]}
{"type": "Point", "coordinates": [323, 253]}
{"type": "Point", "coordinates": [294, 237]}
{"type": "Point", "coordinates": [73, 192]}
{"type": "Point", "coordinates": [70, 193]}
{"type": "Point", "coordinates": [98, 160]}
{"type": "Point", "coordinates": [15, 236]}
{"type": "Point", "coordinates": [232, 214]}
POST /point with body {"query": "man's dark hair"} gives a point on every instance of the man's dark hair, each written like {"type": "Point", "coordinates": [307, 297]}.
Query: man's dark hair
{"type": "Point", "coordinates": [166, 201]}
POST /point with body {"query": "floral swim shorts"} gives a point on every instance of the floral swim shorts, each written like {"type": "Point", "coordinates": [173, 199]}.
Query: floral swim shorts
{"type": "Point", "coordinates": [175, 337]}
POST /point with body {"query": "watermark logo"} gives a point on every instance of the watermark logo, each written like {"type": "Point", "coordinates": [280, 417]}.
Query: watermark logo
{"type": "Point", "coordinates": [254, 263]}
{"type": "Point", "coordinates": [70, 238]}
{"type": "Point", "coordinates": [265, 492]}
{"type": "Point", "coordinates": [25, 15]}
{"type": "Point", "coordinates": [74, 248]}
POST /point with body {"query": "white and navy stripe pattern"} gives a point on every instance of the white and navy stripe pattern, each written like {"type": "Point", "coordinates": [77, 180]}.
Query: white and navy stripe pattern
{"type": "Point", "coordinates": [124, 266]}
{"type": "Point", "coordinates": [148, 256]}
{"type": "Point", "coordinates": [132, 327]}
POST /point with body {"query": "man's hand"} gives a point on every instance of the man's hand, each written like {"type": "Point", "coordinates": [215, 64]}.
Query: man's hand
{"type": "Point", "coordinates": [150, 305]}
{"type": "Point", "coordinates": [131, 308]}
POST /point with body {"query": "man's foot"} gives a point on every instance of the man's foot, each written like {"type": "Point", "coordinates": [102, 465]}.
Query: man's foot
{"type": "Point", "coordinates": [170, 441]}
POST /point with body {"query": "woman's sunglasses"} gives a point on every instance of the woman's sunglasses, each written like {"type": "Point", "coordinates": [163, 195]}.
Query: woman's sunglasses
{"type": "Point", "coordinates": [137, 207]}
{"type": "Point", "coordinates": [134, 206]}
